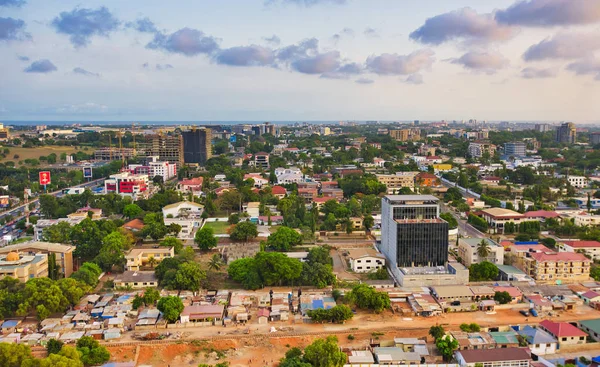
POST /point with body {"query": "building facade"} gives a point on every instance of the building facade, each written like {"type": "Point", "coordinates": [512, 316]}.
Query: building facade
{"type": "Point", "coordinates": [478, 149]}
{"type": "Point", "coordinates": [197, 145]}
{"type": "Point", "coordinates": [62, 253]}
{"type": "Point", "coordinates": [515, 149]}
{"type": "Point", "coordinates": [566, 133]}
{"type": "Point", "coordinates": [468, 251]}
{"type": "Point", "coordinates": [23, 266]}
{"type": "Point", "coordinates": [127, 184]}
{"type": "Point", "coordinates": [550, 267]}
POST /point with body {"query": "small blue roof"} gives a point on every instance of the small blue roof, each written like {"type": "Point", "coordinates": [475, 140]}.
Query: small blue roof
{"type": "Point", "coordinates": [536, 336]}
{"type": "Point", "coordinates": [10, 323]}
{"type": "Point", "coordinates": [317, 303]}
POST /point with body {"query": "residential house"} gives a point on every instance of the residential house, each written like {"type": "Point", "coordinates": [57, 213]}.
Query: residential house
{"type": "Point", "coordinates": [185, 209]}
{"type": "Point", "coordinates": [447, 294]}
{"type": "Point", "coordinates": [476, 340]}
{"type": "Point", "coordinates": [592, 327]}
{"type": "Point", "coordinates": [139, 257]}
{"type": "Point", "coordinates": [134, 225]}
{"type": "Point", "coordinates": [550, 267]}
{"type": "Point", "coordinates": [468, 250]}
{"type": "Point", "coordinates": [425, 179]}
{"type": "Point", "coordinates": [565, 333]}
{"type": "Point", "coordinates": [193, 185]}
{"type": "Point", "coordinates": [505, 339]}
{"type": "Point", "coordinates": [502, 357]}
{"type": "Point", "coordinates": [333, 193]}
{"type": "Point", "coordinates": [395, 356]}
{"type": "Point", "coordinates": [540, 342]}
{"type": "Point", "coordinates": [259, 180]}
{"type": "Point", "coordinates": [202, 313]}
{"type": "Point", "coordinates": [366, 260]}
{"type": "Point", "coordinates": [541, 215]}
{"type": "Point", "coordinates": [590, 297]}
{"type": "Point", "coordinates": [482, 292]}
{"type": "Point", "coordinates": [498, 217]}
{"type": "Point", "coordinates": [591, 248]}
{"type": "Point", "coordinates": [136, 280]}
{"type": "Point", "coordinates": [514, 293]}
{"type": "Point", "coordinates": [279, 191]}
{"type": "Point", "coordinates": [85, 213]}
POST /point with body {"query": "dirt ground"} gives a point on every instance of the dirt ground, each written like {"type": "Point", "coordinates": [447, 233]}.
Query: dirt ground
{"type": "Point", "coordinates": [25, 153]}
{"type": "Point", "coordinates": [263, 348]}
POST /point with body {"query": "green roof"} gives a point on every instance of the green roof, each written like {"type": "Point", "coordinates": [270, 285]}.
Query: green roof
{"type": "Point", "coordinates": [592, 325]}
{"type": "Point", "coordinates": [509, 269]}
{"type": "Point", "coordinates": [504, 337]}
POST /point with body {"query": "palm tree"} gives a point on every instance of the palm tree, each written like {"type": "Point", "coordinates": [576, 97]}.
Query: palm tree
{"type": "Point", "coordinates": [483, 249]}
{"type": "Point", "coordinates": [215, 262]}
{"type": "Point", "coordinates": [151, 261]}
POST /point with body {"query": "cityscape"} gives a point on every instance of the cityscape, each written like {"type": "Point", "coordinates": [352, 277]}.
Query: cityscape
{"type": "Point", "coordinates": [181, 184]}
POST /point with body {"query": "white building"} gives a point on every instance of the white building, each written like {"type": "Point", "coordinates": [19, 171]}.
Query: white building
{"type": "Point", "coordinates": [185, 209]}
{"type": "Point", "coordinates": [290, 178]}
{"type": "Point", "coordinates": [468, 251]}
{"type": "Point", "coordinates": [280, 171]}
{"type": "Point", "coordinates": [189, 226]}
{"type": "Point", "coordinates": [127, 184]}
{"type": "Point", "coordinates": [155, 168]}
{"type": "Point", "coordinates": [578, 181]}
{"type": "Point", "coordinates": [587, 220]}
{"type": "Point", "coordinates": [366, 260]}
{"type": "Point", "coordinates": [259, 181]}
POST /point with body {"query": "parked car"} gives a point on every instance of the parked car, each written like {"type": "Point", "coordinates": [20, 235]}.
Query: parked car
{"type": "Point", "coordinates": [533, 312]}
{"type": "Point", "coordinates": [524, 313]}
{"type": "Point", "coordinates": [455, 303]}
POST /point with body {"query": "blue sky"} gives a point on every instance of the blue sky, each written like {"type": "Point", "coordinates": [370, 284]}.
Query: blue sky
{"type": "Point", "coordinates": [299, 60]}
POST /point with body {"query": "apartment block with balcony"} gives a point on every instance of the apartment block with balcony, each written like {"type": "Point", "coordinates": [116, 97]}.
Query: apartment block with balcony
{"type": "Point", "coordinates": [139, 257]}
{"type": "Point", "coordinates": [556, 267]}
{"type": "Point", "coordinates": [397, 181]}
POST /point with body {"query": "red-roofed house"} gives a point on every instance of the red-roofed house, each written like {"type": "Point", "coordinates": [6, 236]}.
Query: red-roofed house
{"type": "Point", "coordinates": [590, 297]}
{"type": "Point", "coordinates": [541, 215]}
{"type": "Point", "coordinates": [192, 185]}
{"type": "Point", "coordinates": [259, 180]}
{"type": "Point", "coordinates": [565, 333]}
{"type": "Point", "coordinates": [550, 267]}
{"type": "Point", "coordinates": [134, 225]}
{"type": "Point", "coordinates": [514, 292]}
{"type": "Point", "coordinates": [263, 220]}
{"type": "Point", "coordinates": [319, 201]}
{"type": "Point", "coordinates": [279, 191]}
{"type": "Point", "coordinates": [427, 179]}
{"type": "Point", "coordinates": [591, 248]}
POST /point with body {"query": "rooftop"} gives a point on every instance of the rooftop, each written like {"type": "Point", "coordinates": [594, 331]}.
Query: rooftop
{"type": "Point", "coordinates": [561, 329]}
{"type": "Point", "coordinates": [449, 291]}
{"type": "Point", "coordinates": [502, 213]}
{"type": "Point", "coordinates": [559, 256]}
{"type": "Point", "coordinates": [412, 198]}
{"type": "Point", "coordinates": [593, 325]}
{"type": "Point", "coordinates": [581, 244]}
{"type": "Point", "coordinates": [42, 246]}
{"type": "Point", "coordinates": [536, 335]}
{"type": "Point", "coordinates": [495, 355]}
{"type": "Point", "coordinates": [542, 214]}
{"type": "Point", "coordinates": [150, 250]}
{"type": "Point", "coordinates": [474, 242]}
{"type": "Point", "coordinates": [190, 203]}
{"type": "Point", "coordinates": [136, 276]}
{"type": "Point", "coordinates": [364, 252]}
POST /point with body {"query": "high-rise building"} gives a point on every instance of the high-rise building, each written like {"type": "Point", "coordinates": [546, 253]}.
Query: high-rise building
{"type": "Point", "coordinates": [168, 148]}
{"type": "Point", "coordinates": [412, 233]}
{"type": "Point", "coordinates": [595, 138]}
{"type": "Point", "coordinates": [542, 128]}
{"type": "Point", "coordinates": [566, 133]}
{"type": "Point", "coordinates": [515, 149]}
{"type": "Point", "coordinates": [197, 146]}
{"type": "Point", "coordinates": [478, 148]}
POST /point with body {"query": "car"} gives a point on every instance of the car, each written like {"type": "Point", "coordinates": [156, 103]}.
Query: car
{"type": "Point", "coordinates": [455, 303]}
{"type": "Point", "coordinates": [524, 313]}
{"type": "Point", "coordinates": [533, 312]}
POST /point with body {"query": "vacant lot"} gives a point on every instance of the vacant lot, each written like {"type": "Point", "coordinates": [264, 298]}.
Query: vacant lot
{"type": "Point", "coordinates": [218, 227]}
{"type": "Point", "coordinates": [36, 153]}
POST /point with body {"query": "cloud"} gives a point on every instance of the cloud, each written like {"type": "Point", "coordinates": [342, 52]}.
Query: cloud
{"type": "Point", "coordinates": [564, 46]}
{"type": "Point", "coordinates": [12, 30]}
{"type": "Point", "coordinates": [371, 32]}
{"type": "Point", "coordinates": [82, 71]}
{"type": "Point", "coordinates": [252, 55]}
{"type": "Point", "coordinates": [318, 64]}
{"type": "Point", "coordinates": [306, 3]}
{"type": "Point", "coordinates": [548, 13]}
{"type": "Point", "coordinates": [394, 64]}
{"type": "Point", "coordinates": [535, 73]}
{"type": "Point", "coordinates": [82, 24]}
{"type": "Point", "coordinates": [304, 48]}
{"type": "Point", "coordinates": [161, 67]}
{"type": "Point", "coordinates": [87, 107]}
{"type": "Point", "coordinates": [414, 79]}
{"type": "Point", "coordinates": [364, 81]}
{"type": "Point", "coordinates": [588, 66]}
{"type": "Point", "coordinates": [186, 41]}
{"type": "Point", "coordinates": [345, 71]}
{"type": "Point", "coordinates": [22, 58]}
{"type": "Point", "coordinates": [273, 40]}
{"type": "Point", "coordinates": [13, 3]}
{"type": "Point", "coordinates": [144, 25]}
{"type": "Point", "coordinates": [41, 66]}
{"type": "Point", "coordinates": [463, 24]}
{"type": "Point", "coordinates": [486, 61]}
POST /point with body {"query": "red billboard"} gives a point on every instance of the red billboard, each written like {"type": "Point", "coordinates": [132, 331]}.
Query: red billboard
{"type": "Point", "coordinates": [45, 178]}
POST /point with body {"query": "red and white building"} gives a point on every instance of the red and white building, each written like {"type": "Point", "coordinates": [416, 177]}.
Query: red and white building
{"type": "Point", "coordinates": [127, 184]}
{"type": "Point", "coordinates": [193, 185]}
{"type": "Point", "coordinates": [155, 168]}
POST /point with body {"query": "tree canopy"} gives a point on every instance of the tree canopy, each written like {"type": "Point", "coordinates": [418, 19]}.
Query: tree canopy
{"type": "Point", "coordinates": [171, 307]}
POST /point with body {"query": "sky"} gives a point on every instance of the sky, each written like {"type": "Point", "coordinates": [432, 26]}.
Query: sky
{"type": "Point", "coordinates": [300, 60]}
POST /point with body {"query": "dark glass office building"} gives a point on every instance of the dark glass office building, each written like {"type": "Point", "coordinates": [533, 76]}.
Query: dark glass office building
{"type": "Point", "coordinates": [412, 234]}
{"type": "Point", "coordinates": [197, 147]}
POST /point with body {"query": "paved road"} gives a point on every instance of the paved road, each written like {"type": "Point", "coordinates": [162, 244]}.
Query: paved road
{"type": "Point", "coordinates": [340, 267]}
{"type": "Point", "coordinates": [464, 228]}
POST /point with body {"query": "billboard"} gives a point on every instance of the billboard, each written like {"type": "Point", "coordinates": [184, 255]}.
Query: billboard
{"type": "Point", "coordinates": [45, 178]}
{"type": "Point", "coordinates": [87, 172]}
{"type": "Point", "coordinates": [232, 138]}
{"type": "Point", "coordinates": [4, 202]}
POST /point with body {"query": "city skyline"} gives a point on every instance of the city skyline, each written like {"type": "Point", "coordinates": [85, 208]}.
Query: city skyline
{"type": "Point", "coordinates": [300, 60]}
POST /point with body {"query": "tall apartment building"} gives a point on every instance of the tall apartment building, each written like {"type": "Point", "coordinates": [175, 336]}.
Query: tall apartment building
{"type": "Point", "coordinates": [153, 167]}
{"type": "Point", "coordinates": [542, 128]}
{"type": "Point", "coordinates": [515, 149]}
{"type": "Point", "coordinates": [405, 134]}
{"type": "Point", "coordinates": [595, 138]}
{"type": "Point", "coordinates": [550, 267]}
{"type": "Point", "coordinates": [566, 133]}
{"type": "Point", "coordinates": [261, 160]}
{"type": "Point", "coordinates": [197, 146]}
{"type": "Point", "coordinates": [113, 154]}
{"type": "Point", "coordinates": [395, 182]}
{"type": "Point", "coordinates": [412, 233]}
{"type": "Point", "coordinates": [168, 148]}
{"type": "Point", "coordinates": [478, 148]}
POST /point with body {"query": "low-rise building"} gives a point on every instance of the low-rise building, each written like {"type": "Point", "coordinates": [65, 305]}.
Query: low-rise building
{"type": "Point", "coordinates": [184, 209]}
{"type": "Point", "coordinates": [587, 219]}
{"type": "Point", "coordinates": [447, 294]}
{"type": "Point", "coordinates": [138, 257]}
{"type": "Point", "coordinates": [502, 357]}
{"type": "Point", "coordinates": [23, 267]}
{"type": "Point", "coordinates": [579, 182]}
{"type": "Point", "coordinates": [514, 292]}
{"type": "Point", "coordinates": [202, 313]}
{"type": "Point", "coordinates": [397, 181]}
{"type": "Point", "coordinates": [259, 180]}
{"type": "Point", "coordinates": [540, 342]}
{"type": "Point", "coordinates": [425, 179]}
{"type": "Point", "coordinates": [395, 356]}
{"type": "Point", "coordinates": [590, 297]}
{"type": "Point", "coordinates": [498, 217]}
{"type": "Point", "coordinates": [42, 224]}
{"type": "Point", "coordinates": [136, 280]}
{"type": "Point", "coordinates": [550, 267]}
{"type": "Point", "coordinates": [193, 185]}
{"type": "Point", "coordinates": [468, 250]}
{"type": "Point", "coordinates": [83, 213]}
{"type": "Point", "coordinates": [189, 226]}
{"type": "Point", "coordinates": [63, 253]}
{"type": "Point", "coordinates": [565, 333]}
{"type": "Point", "coordinates": [128, 184]}
{"type": "Point", "coordinates": [366, 260]}
{"type": "Point", "coordinates": [592, 327]}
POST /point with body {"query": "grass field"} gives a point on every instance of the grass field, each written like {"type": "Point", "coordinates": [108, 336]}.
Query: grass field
{"type": "Point", "coordinates": [218, 227]}
{"type": "Point", "coordinates": [36, 153]}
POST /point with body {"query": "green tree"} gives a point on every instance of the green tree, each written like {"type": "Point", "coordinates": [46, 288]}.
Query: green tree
{"type": "Point", "coordinates": [92, 353]}
{"type": "Point", "coordinates": [366, 297]}
{"type": "Point", "coordinates": [368, 221]}
{"type": "Point", "coordinates": [172, 242]}
{"type": "Point", "coordinates": [234, 218]}
{"type": "Point", "coordinates": [54, 346]}
{"type": "Point", "coordinates": [470, 328]}
{"type": "Point", "coordinates": [437, 331]}
{"type": "Point", "coordinates": [215, 262]}
{"type": "Point", "coordinates": [205, 238]}
{"type": "Point", "coordinates": [317, 274]}
{"type": "Point", "coordinates": [171, 307]}
{"type": "Point", "coordinates": [73, 290]}
{"type": "Point", "coordinates": [336, 314]}
{"type": "Point", "coordinates": [448, 217]}
{"type": "Point", "coordinates": [88, 273]}
{"type": "Point", "coordinates": [284, 239]}
{"type": "Point", "coordinates": [324, 353]}
{"type": "Point", "coordinates": [245, 271]}
{"type": "Point", "coordinates": [48, 205]}
{"type": "Point", "coordinates": [319, 255]}
{"type": "Point", "coordinates": [151, 295]}
{"type": "Point", "coordinates": [483, 249]}
{"type": "Point", "coordinates": [502, 297]}
{"type": "Point", "coordinates": [111, 253]}
{"type": "Point", "coordinates": [42, 292]}
{"type": "Point", "coordinates": [446, 345]}
{"type": "Point", "coordinates": [483, 271]}
{"type": "Point", "coordinates": [244, 231]}
{"type": "Point", "coordinates": [57, 233]}
{"type": "Point", "coordinates": [53, 268]}
{"type": "Point", "coordinates": [276, 268]}
{"type": "Point", "coordinates": [132, 211]}
{"type": "Point", "coordinates": [189, 276]}
{"type": "Point", "coordinates": [379, 274]}
{"type": "Point", "coordinates": [67, 357]}
{"type": "Point", "coordinates": [14, 355]}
